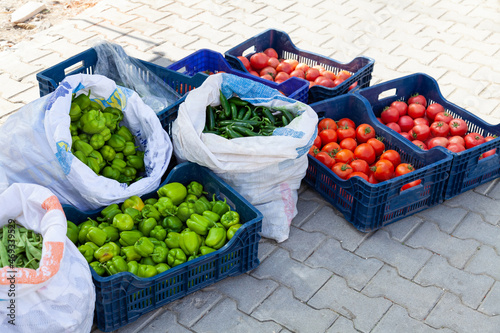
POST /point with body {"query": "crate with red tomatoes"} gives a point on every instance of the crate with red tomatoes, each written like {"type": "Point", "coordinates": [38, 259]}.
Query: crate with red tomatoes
{"type": "Point", "coordinates": [418, 112]}
{"type": "Point", "coordinates": [271, 55]}
{"type": "Point", "coordinates": [369, 174]}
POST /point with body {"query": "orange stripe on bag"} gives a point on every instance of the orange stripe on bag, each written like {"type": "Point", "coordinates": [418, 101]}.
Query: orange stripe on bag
{"type": "Point", "coordinates": [52, 203]}
{"type": "Point", "coordinates": [53, 253]}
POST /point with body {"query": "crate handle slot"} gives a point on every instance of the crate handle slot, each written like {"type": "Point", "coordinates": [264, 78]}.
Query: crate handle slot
{"type": "Point", "coordinates": [387, 93]}
{"type": "Point", "coordinates": [74, 67]}
{"type": "Point", "coordinates": [249, 51]}
{"type": "Point", "coordinates": [182, 70]}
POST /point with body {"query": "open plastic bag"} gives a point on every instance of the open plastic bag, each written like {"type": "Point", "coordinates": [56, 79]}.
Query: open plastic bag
{"type": "Point", "coordinates": [266, 170]}
{"type": "Point", "coordinates": [114, 63]}
{"type": "Point", "coordinates": [57, 297]}
{"type": "Point", "coordinates": [36, 143]}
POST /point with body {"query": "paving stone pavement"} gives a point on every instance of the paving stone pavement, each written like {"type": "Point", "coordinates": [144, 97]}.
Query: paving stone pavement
{"type": "Point", "coordinates": [435, 271]}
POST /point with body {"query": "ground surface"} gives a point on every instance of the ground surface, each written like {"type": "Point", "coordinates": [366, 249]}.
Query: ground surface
{"type": "Point", "coordinates": [55, 12]}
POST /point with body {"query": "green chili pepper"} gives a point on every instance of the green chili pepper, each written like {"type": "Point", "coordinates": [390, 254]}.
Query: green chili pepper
{"type": "Point", "coordinates": [210, 118]}
{"type": "Point", "coordinates": [224, 104]}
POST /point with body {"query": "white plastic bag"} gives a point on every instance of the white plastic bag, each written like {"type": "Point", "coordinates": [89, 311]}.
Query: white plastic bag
{"type": "Point", "coordinates": [266, 170]}
{"type": "Point", "coordinates": [57, 297]}
{"type": "Point", "coordinates": [36, 143]}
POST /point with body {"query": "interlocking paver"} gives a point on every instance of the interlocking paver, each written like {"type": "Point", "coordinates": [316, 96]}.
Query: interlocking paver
{"type": "Point", "coordinates": [301, 244]}
{"type": "Point", "coordinates": [356, 270]}
{"type": "Point", "coordinates": [473, 227]}
{"type": "Point", "coordinates": [491, 303]}
{"type": "Point", "coordinates": [485, 261]}
{"type": "Point", "coordinates": [193, 307]}
{"type": "Point", "coordinates": [342, 325]}
{"type": "Point", "coordinates": [407, 260]}
{"type": "Point", "coordinates": [416, 299]}
{"type": "Point", "coordinates": [167, 319]}
{"type": "Point", "coordinates": [283, 308]}
{"type": "Point", "coordinates": [471, 288]}
{"type": "Point", "coordinates": [11, 87]}
{"type": "Point", "coordinates": [450, 312]}
{"type": "Point", "coordinates": [479, 204]}
{"type": "Point", "coordinates": [403, 228]}
{"type": "Point", "coordinates": [364, 311]}
{"type": "Point", "coordinates": [436, 213]}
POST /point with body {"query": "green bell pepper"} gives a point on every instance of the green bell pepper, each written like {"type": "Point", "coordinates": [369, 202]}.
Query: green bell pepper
{"type": "Point", "coordinates": [82, 100]}
{"type": "Point", "coordinates": [92, 122]}
{"type": "Point", "coordinates": [160, 254]}
{"type": "Point", "coordinates": [146, 225]}
{"type": "Point", "coordinates": [117, 142]}
{"type": "Point", "coordinates": [216, 238]}
{"type": "Point", "coordinates": [162, 267]}
{"type": "Point", "coordinates": [111, 173]}
{"type": "Point", "coordinates": [134, 214]}
{"type": "Point", "coordinates": [206, 250]}
{"type": "Point", "coordinates": [117, 112]}
{"type": "Point", "coordinates": [72, 231]}
{"type": "Point", "coordinates": [172, 240]}
{"type": "Point", "coordinates": [97, 155]}
{"type": "Point", "coordinates": [199, 224]}
{"type": "Point", "coordinates": [134, 202]}
{"type": "Point", "coordinates": [189, 242]}
{"type": "Point", "coordinates": [108, 213]}
{"type": "Point", "coordinates": [220, 207]}
{"type": "Point", "coordinates": [128, 238]}
{"type": "Point", "coordinates": [133, 267]}
{"type": "Point", "coordinates": [118, 164]}
{"type": "Point", "coordinates": [144, 247]}
{"type": "Point", "coordinates": [81, 156]}
{"type": "Point", "coordinates": [82, 234]}
{"type": "Point", "coordinates": [106, 252]}
{"type": "Point", "coordinates": [185, 210]}
{"type": "Point", "coordinates": [103, 225]}
{"type": "Point", "coordinates": [112, 233]}
{"type": "Point", "coordinates": [157, 243]}
{"type": "Point", "coordinates": [172, 223]}
{"type": "Point", "coordinates": [108, 153]}
{"type": "Point", "coordinates": [97, 236]}
{"type": "Point", "coordinates": [106, 134]}
{"type": "Point", "coordinates": [92, 245]}
{"type": "Point", "coordinates": [201, 205]}
{"type": "Point", "coordinates": [129, 172]}
{"type": "Point", "coordinates": [87, 252]}
{"type": "Point", "coordinates": [150, 201]}
{"type": "Point", "coordinates": [147, 261]}
{"type": "Point", "coordinates": [98, 268]}
{"type": "Point", "coordinates": [129, 148]}
{"type": "Point", "coordinates": [159, 233]}
{"type": "Point", "coordinates": [111, 120]}
{"type": "Point", "coordinates": [116, 265]}
{"type": "Point", "coordinates": [84, 147]}
{"type": "Point", "coordinates": [84, 137]}
{"type": "Point", "coordinates": [191, 198]}
{"type": "Point", "coordinates": [75, 112]}
{"type": "Point", "coordinates": [195, 188]}
{"type": "Point", "coordinates": [175, 191]}
{"type": "Point", "coordinates": [150, 211]}
{"type": "Point", "coordinates": [232, 230]}
{"type": "Point", "coordinates": [73, 129]}
{"type": "Point", "coordinates": [135, 161]}
{"type": "Point", "coordinates": [89, 222]}
{"type": "Point", "coordinates": [146, 271]}
{"type": "Point", "coordinates": [123, 222]}
{"type": "Point", "coordinates": [93, 164]}
{"type": "Point", "coordinates": [96, 141]}
{"type": "Point", "coordinates": [125, 133]}
{"type": "Point", "coordinates": [214, 217]}
{"type": "Point", "coordinates": [166, 206]}
{"type": "Point", "coordinates": [230, 218]}
{"type": "Point", "coordinates": [130, 253]}
{"type": "Point", "coordinates": [176, 257]}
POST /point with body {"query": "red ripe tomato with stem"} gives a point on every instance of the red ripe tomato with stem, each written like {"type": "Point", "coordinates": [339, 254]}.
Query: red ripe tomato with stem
{"type": "Point", "coordinates": [326, 158]}
{"type": "Point", "coordinates": [267, 77]}
{"type": "Point", "coordinates": [383, 170]}
{"type": "Point", "coordinates": [360, 165]}
{"type": "Point", "coordinates": [389, 115]}
{"type": "Point", "coordinates": [271, 53]}
{"type": "Point", "coordinates": [473, 139]}
{"type": "Point", "coordinates": [391, 155]}
{"type": "Point", "coordinates": [327, 123]}
{"type": "Point", "coordinates": [444, 117]}
{"type": "Point", "coordinates": [331, 147]}
{"type": "Point", "coordinates": [439, 128]}
{"type": "Point", "coordinates": [377, 144]}
{"type": "Point", "coordinates": [364, 132]}
{"type": "Point", "coordinates": [420, 132]}
{"type": "Point", "coordinates": [346, 122]}
{"type": "Point", "coordinates": [259, 60]}
{"type": "Point", "coordinates": [416, 110]}
{"type": "Point", "coordinates": [342, 170]}
{"type": "Point", "coordinates": [365, 151]}
{"type": "Point", "coordinates": [403, 169]}
{"type": "Point", "coordinates": [344, 156]}
{"type": "Point", "coordinates": [405, 135]}
{"type": "Point", "coordinates": [344, 132]}
{"type": "Point", "coordinates": [348, 143]}
{"type": "Point", "coordinates": [420, 144]}
{"type": "Point", "coordinates": [406, 123]}
{"type": "Point", "coordinates": [245, 62]}
{"type": "Point", "coordinates": [314, 150]}
{"type": "Point", "coordinates": [358, 174]}
{"type": "Point", "coordinates": [418, 99]}
{"type": "Point", "coordinates": [268, 70]}
{"type": "Point", "coordinates": [401, 106]}
{"type": "Point", "coordinates": [433, 109]}
{"type": "Point", "coordinates": [328, 135]}
{"type": "Point", "coordinates": [458, 127]}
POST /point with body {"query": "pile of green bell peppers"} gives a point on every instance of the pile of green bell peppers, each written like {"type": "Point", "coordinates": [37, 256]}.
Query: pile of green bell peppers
{"type": "Point", "coordinates": [101, 142]}
{"type": "Point", "coordinates": [149, 237]}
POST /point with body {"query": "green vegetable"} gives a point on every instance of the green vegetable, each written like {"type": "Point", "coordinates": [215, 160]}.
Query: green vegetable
{"type": "Point", "coordinates": [75, 112]}
{"type": "Point", "coordinates": [230, 218]}
{"type": "Point", "coordinates": [129, 148]}
{"type": "Point", "coordinates": [172, 240]}
{"type": "Point", "coordinates": [130, 253]}
{"type": "Point", "coordinates": [201, 205]}
{"type": "Point", "coordinates": [146, 225]}
{"type": "Point", "coordinates": [108, 153]}
{"type": "Point", "coordinates": [195, 188]}
{"type": "Point", "coordinates": [199, 224]}
{"type": "Point", "coordinates": [96, 141]}
{"type": "Point", "coordinates": [96, 236]}
{"type": "Point", "coordinates": [133, 267]}
{"type": "Point", "coordinates": [114, 111]}
{"type": "Point", "coordinates": [190, 243]}
{"type": "Point", "coordinates": [176, 257]}
{"type": "Point", "coordinates": [92, 122]}
{"type": "Point", "coordinates": [123, 222]}
{"type": "Point", "coordinates": [108, 213]}
{"type": "Point", "coordinates": [98, 268]}
{"type": "Point", "coordinates": [72, 231]}
{"type": "Point", "coordinates": [185, 210]}
{"type": "Point", "coordinates": [133, 202]}
{"type": "Point", "coordinates": [166, 206]}
{"type": "Point", "coordinates": [232, 230]}
{"type": "Point", "coordinates": [116, 265]}
{"type": "Point", "coordinates": [112, 233]}
{"type": "Point", "coordinates": [162, 267]}
{"type": "Point", "coordinates": [146, 271]}
{"type": "Point", "coordinates": [144, 247]}
{"type": "Point", "coordinates": [216, 238]}
{"type": "Point", "coordinates": [175, 191]}
{"type": "Point", "coordinates": [159, 233]}
{"type": "Point", "coordinates": [149, 211]}
{"type": "Point", "coordinates": [214, 217]}
{"type": "Point", "coordinates": [83, 147]}
{"type": "Point", "coordinates": [117, 142]}
{"type": "Point", "coordinates": [172, 223]}
{"type": "Point", "coordinates": [106, 252]}
{"type": "Point", "coordinates": [125, 133]}
{"type": "Point", "coordinates": [220, 207]}
{"type": "Point", "coordinates": [82, 100]}
{"type": "Point", "coordinates": [159, 254]}
{"type": "Point", "coordinates": [206, 250]}
{"type": "Point", "coordinates": [135, 161]}
{"type": "Point", "coordinates": [111, 173]}
{"type": "Point", "coordinates": [87, 252]}
{"type": "Point", "coordinates": [128, 238]}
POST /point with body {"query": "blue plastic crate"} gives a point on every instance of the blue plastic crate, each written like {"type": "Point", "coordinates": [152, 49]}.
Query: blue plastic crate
{"type": "Point", "coordinates": [371, 206]}
{"type": "Point", "coordinates": [85, 63]}
{"type": "Point", "coordinates": [122, 298]}
{"type": "Point", "coordinates": [204, 60]}
{"type": "Point", "coordinates": [466, 171]}
{"type": "Point", "coordinates": [361, 68]}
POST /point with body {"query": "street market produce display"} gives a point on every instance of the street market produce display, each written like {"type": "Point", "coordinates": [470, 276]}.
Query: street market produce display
{"type": "Point", "coordinates": [236, 118]}
{"type": "Point", "coordinates": [100, 142]}
{"type": "Point", "coordinates": [149, 237]}
{"type": "Point", "coordinates": [20, 247]}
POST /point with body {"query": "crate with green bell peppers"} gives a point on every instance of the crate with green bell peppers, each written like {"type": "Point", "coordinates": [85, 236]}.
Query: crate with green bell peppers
{"type": "Point", "coordinates": [191, 232]}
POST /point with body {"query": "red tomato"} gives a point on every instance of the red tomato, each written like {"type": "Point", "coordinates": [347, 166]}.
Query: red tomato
{"type": "Point", "coordinates": [348, 143]}
{"type": "Point", "coordinates": [312, 74]}
{"type": "Point", "coordinates": [259, 60]}
{"type": "Point", "coordinates": [394, 126]}
{"type": "Point", "coordinates": [458, 127]}
{"type": "Point", "coordinates": [245, 62]}
{"type": "Point", "coordinates": [267, 77]}
{"type": "Point", "coordinates": [268, 70]}
{"type": "Point", "coordinates": [391, 155]}
{"type": "Point", "coordinates": [331, 147]}
{"type": "Point", "coordinates": [360, 166]}
{"type": "Point", "coordinates": [377, 145]}
{"type": "Point", "coordinates": [444, 117]}
{"type": "Point", "coordinates": [327, 123]}
{"type": "Point", "coordinates": [326, 158]}
{"type": "Point", "coordinates": [439, 128]}
{"type": "Point", "coordinates": [365, 151]}
{"type": "Point", "coordinates": [437, 141]}
{"type": "Point", "coordinates": [346, 122]}
{"type": "Point", "coordinates": [473, 140]}
{"type": "Point", "coordinates": [420, 132]}
{"type": "Point", "coordinates": [401, 106]}
{"type": "Point", "coordinates": [489, 152]}
{"type": "Point", "coordinates": [329, 75]}
{"type": "Point", "coordinates": [343, 75]}
{"type": "Point", "coordinates": [421, 121]}
{"type": "Point", "coordinates": [405, 135]}
{"type": "Point", "coordinates": [405, 123]}
{"type": "Point", "coordinates": [420, 144]}
{"type": "Point", "coordinates": [273, 62]}
{"type": "Point", "coordinates": [313, 151]}
{"type": "Point", "coordinates": [254, 73]}
{"type": "Point", "coordinates": [328, 135]}
{"type": "Point", "coordinates": [271, 53]}
{"type": "Point", "coordinates": [416, 110]}
{"type": "Point", "coordinates": [344, 132]}
{"type": "Point", "coordinates": [337, 81]}
{"type": "Point", "coordinates": [281, 76]}
{"type": "Point", "coordinates": [298, 73]}
{"type": "Point", "coordinates": [359, 174]}
{"type": "Point", "coordinates": [292, 62]}
{"type": "Point", "coordinates": [342, 170]}
{"type": "Point", "coordinates": [325, 82]}
{"type": "Point", "coordinates": [403, 169]}
{"type": "Point", "coordinates": [383, 170]}
{"type": "Point", "coordinates": [389, 115]}
{"type": "Point", "coordinates": [457, 139]}
{"type": "Point", "coordinates": [455, 147]}
{"type": "Point", "coordinates": [419, 99]}
{"type": "Point", "coordinates": [284, 67]}
{"type": "Point", "coordinates": [344, 156]}
{"type": "Point", "coordinates": [364, 132]}
{"type": "Point", "coordinates": [317, 141]}
{"type": "Point", "coordinates": [411, 184]}
{"type": "Point", "coordinates": [302, 66]}
{"type": "Point", "coordinates": [433, 109]}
